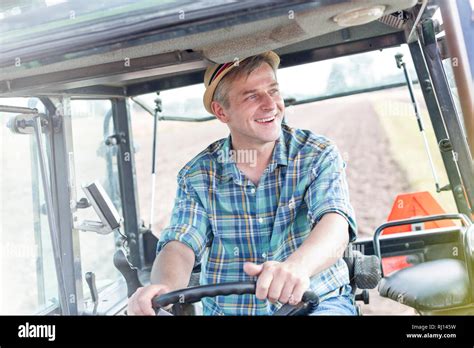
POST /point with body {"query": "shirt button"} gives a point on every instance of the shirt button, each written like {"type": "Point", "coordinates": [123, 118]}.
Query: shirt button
{"type": "Point", "coordinates": [260, 220]}
{"type": "Point", "coordinates": [264, 255]}
{"type": "Point", "coordinates": [291, 203]}
{"type": "Point", "coordinates": [252, 190]}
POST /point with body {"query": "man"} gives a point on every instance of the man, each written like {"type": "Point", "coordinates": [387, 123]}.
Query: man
{"type": "Point", "coordinates": [283, 218]}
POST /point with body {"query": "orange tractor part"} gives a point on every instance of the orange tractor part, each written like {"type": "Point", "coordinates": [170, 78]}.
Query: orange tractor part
{"type": "Point", "coordinates": [406, 206]}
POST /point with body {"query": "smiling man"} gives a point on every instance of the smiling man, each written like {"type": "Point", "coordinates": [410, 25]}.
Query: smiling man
{"type": "Point", "coordinates": [284, 219]}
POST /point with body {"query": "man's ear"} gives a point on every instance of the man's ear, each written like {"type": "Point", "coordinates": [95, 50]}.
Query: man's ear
{"type": "Point", "coordinates": [219, 112]}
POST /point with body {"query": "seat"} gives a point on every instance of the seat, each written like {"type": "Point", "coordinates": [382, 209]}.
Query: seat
{"type": "Point", "coordinates": [429, 286]}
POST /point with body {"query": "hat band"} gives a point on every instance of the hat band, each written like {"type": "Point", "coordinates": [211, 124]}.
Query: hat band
{"type": "Point", "coordinates": [219, 70]}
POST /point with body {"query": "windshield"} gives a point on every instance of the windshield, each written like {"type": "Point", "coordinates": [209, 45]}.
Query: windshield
{"type": "Point", "coordinates": [329, 78]}
{"type": "Point", "coordinates": [33, 30]}
{"type": "Point", "coordinates": [31, 19]}
{"type": "Point", "coordinates": [372, 121]}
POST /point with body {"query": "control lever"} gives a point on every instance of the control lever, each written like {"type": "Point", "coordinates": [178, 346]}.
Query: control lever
{"type": "Point", "coordinates": [90, 279]}
{"type": "Point", "coordinates": [307, 305]}
{"type": "Point", "coordinates": [128, 271]}
{"type": "Point", "coordinates": [363, 296]}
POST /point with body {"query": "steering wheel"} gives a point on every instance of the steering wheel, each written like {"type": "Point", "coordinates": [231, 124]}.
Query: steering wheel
{"type": "Point", "coordinates": [194, 294]}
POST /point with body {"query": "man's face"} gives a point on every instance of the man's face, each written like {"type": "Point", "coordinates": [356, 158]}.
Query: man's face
{"type": "Point", "coordinates": [256, 108]}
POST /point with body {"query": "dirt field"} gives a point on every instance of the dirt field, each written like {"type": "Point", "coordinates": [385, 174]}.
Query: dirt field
{"type": "Point", "coordinates": [373, 175]}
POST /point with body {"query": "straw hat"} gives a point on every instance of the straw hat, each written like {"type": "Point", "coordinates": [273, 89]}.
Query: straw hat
{"type": "Point", "coordinates": [215, 73]}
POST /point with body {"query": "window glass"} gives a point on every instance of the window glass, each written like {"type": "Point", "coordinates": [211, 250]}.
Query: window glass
{"type": "Point", "coordinates": [344, 75]}
{"type": "Point", "coordinates": [374, 124]}
{"type": "Point", "coordinates": [27, 270]}
{"type": "Point", "coordinates": [30, 17]}
{"type": "Point", "coordinates": [376, 132]}
{"type": "Point", "coordinates": [174, 105]}
{"type": "Point", "coordinates": [92, 123]}
{"type": "Point", "coordinates": [177, 143]}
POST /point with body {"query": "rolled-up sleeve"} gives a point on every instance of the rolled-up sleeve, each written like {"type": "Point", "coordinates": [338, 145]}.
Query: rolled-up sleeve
{"type": "Point", "coordinates": [328, 191]}
{"type": "Point", "coordinates": [189, 222]}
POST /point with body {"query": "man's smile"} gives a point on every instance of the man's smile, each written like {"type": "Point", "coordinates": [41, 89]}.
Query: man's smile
{"type": "Point", "coordinates": [266, 120]}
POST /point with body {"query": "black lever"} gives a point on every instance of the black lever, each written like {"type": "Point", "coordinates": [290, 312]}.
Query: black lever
{"type": "Point", "coordinates": [363, 296]}
{"type": "Point", "coordinates": [308, 304]}
{"type": "Point", "coordinates": [129, 273]}
{"type": "Point", "coordinates": [90, 279]}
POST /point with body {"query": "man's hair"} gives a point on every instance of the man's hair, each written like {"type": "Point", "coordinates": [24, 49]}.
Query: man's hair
{"type": "Point", "coordinates": [244, 68]}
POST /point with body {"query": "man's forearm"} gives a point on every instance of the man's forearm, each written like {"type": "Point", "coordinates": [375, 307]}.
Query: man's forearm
{"type": "Point", "coordinates": [173, 266]}
{"type": "Point", "coordinates": [324, 246]}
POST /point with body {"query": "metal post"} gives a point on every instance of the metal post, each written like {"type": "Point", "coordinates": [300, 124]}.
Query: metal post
{"type": "Point", "coordinates": [37, 211]}
{"type": "Point", "coordinates": [51, 217]}
{"type": "Point", "coordinates": [35, 190]}
{"type": "Point", "coordinates": [462, 73]}
{"type": "Point", "coordinates": [64, 191]}
{"type": "Point", "coordinates": [158, 109]}
{"type": "Point", "coordinates": [439, 128]}
{"type": "Point", "coordinates": [127, 178]}
{"type": "Point", "coordinates": [458, 140]}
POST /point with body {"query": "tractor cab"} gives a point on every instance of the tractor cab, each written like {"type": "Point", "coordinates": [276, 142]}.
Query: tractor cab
{"type": "Point", "coordinates": [101, 105]}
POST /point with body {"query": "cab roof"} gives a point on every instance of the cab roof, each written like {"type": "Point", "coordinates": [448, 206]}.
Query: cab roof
{"type": "Point", "coordinates": [124, 48]}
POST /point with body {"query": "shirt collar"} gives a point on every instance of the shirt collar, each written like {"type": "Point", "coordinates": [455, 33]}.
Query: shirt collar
{"type": "Point", "coordinates": [230, 169]}
{"type": "Point", "coordinates": [280, 153]}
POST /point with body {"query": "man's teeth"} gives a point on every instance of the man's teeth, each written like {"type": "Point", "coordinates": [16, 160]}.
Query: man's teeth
{"type": "Point", "coordinates": [263, 120]}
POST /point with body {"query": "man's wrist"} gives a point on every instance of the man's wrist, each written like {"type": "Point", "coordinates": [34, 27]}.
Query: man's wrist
{"type": "Point", "coordinates": [298, 264]}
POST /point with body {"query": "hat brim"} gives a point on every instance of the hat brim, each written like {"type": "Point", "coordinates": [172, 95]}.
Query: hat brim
{"type": "Point", "coordinates": [209, 93]}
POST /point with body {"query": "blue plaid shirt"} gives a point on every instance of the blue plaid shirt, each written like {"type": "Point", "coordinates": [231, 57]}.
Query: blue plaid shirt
{"type": "Point", "coordinates": [226, 220]}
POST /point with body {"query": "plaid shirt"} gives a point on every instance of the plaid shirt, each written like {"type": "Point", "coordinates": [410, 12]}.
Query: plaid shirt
{"type": "Point", "coordinates": [226, 220]}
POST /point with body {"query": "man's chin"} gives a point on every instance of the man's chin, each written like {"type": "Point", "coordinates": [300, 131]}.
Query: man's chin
{"type": "Point", "coordinates": [270, 137]}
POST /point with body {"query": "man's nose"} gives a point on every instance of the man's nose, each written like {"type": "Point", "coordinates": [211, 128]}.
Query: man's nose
{"type": "Point", "coordinates": [267, 102]}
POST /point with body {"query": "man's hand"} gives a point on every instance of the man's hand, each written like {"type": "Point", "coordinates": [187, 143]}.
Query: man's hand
{"type": "Point", "coordinates": [140, 302]}
{"type": "Point", "coordinates": [279, 281]}
{"type": "Point", "coordinates": [173, 267]}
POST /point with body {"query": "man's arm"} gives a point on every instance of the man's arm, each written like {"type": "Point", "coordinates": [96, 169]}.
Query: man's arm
{"type": "Point", "coordinates": [324, 246]}
{"type": "Point", "coordinates": [326, 196]}
{"type": "Point", "coordinates": [173, 266]}
{"type": "Point", "coordinates": [287, 281]}
{"type": "Point", "coordinates": [171, 270]}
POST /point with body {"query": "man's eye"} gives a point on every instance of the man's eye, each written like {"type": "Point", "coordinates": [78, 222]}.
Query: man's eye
{"type": "Point", "coordinates": [251, 97]}
{"type": "Point", "coordinates": [274, 91]}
